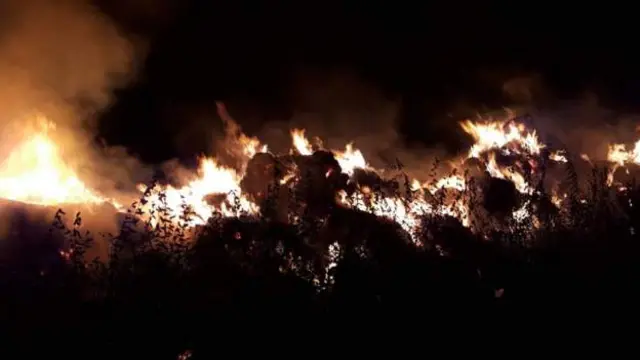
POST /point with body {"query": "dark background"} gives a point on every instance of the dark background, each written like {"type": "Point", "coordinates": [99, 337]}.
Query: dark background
{"type": "Point", "coordinates": [431, 57]}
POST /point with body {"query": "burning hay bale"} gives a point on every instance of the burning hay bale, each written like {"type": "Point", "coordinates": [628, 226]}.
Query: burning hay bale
{"type": "Point", "coordinates": [364, 178]}
{"type": "Point", "coordinates": [474, 167]}
{"type": "Point", "coordinates": [215, 200]}
{"type": "Point", "coordinates": [263, 183]}
{"type": "Point", "coordinates": [545, 210]}
{"type": "Point", "coordinates": [263, 173]}
{"type": "Point", "coordinates": [378, 236]}
{"type": "Point", "coordinates": [307, 184]}
{"type": "Point", "coordinates": [500, 197]}
{"type": "Point", "coordinates": [320, 178]}
{"type": "Point", "coordinates": [623, 176]}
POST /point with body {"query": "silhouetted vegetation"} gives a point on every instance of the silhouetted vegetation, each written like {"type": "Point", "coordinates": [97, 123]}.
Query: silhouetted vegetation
{"type": "Point", "coordinates": [162, 295]}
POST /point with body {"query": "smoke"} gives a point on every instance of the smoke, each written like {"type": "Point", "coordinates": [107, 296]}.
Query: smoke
{"type": "Point", "coordinates": [578, 122]}
{"type": "Point", "coordinates": [340, 107]}
{"type": "Point", "coordinates": [334, 107]}
{"type": "Point", "coordinates": [524, 89]}
{"type": "Point", "coordinates": [62, 60]}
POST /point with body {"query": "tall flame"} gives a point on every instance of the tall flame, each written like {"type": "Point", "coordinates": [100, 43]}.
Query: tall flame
{"type": "Point", "coordinates": [35, 173]}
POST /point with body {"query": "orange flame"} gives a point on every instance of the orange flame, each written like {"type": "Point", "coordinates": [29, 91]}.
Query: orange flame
{"type": "Point", "coordinates": [35, 173]}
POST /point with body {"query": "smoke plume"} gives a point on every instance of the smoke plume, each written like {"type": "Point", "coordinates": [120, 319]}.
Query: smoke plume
{"type": "Point", "coordinates": [340, 107]}
{"type": "Point", "coordinates": [578, 122]}
{"type": "Point", "coordinates": [62, 60]}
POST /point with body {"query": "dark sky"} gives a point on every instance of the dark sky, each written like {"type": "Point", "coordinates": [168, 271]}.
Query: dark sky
{"type": "Point", "coordinates": [431, 57]}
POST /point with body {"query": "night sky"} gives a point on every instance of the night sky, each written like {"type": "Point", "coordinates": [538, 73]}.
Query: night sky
{"type": "Point", "coordinates": [431, 57]}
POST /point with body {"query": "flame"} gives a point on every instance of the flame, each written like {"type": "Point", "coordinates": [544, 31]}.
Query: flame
{"type": "Point", "coordinates": [252, 146]}
{"type": "Point", "coordinates": [351, 159]}
{"type": "Point", "coordinates": [213, 179]}
{"type": "Point", "coordinates": [504, 135]}
{"type": "Point", "coordinates": [301, 143]}
{"type": "Point", "coordinates": [618, 154]}
{"type": "Point", "coordinates": [507, 138]}
{"type": "Point", "coordinates": [491, 138]}
{"type": "Point", "coordinates": [620, 157]}
{"type": "Point", "coordinates": [35, 173]}
{"type": "Point", "coordinates": [558, 156]}
{"type": "Point", "coordinates": [508, 174]}
{"type": "Point", "coordinates": [38, 158]}
{"type": "Point", "coordinates": [407, 214]}
{"type": "Point", "coordinates": [456, 182]}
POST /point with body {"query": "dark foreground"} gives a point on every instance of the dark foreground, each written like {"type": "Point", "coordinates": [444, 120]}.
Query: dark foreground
{"type": "Point", "coordinates": [248, 282]}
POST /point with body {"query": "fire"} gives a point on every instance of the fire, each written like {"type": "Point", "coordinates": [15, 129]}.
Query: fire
{"type": "Point", "coordinates": [406, 212]}
{"type": "Point", "coordinates": [301, 143]}
{"type": "Point", "coordinates": [507, 136]}
{"type": "Point", "coordinates": [456, 182]}
{"type": "Point", "coordinates": [35, 173]}
{"type": "Point", "coordinates": [618, 154]}
{"type": "Point", "coordinates": [252, 146]}
{"type": "Point", "coordinates": [213, 179]}
{"type": "Point", "coordinates": [351, 159]}
{"type": "Point", "coordinates": [510, 174]}
{"type": "Point", "coordinates": [558, 156]}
